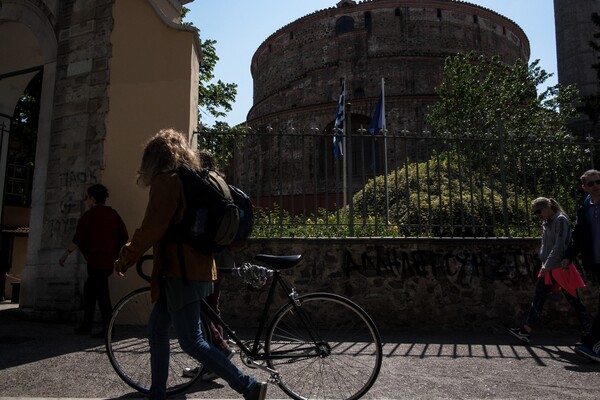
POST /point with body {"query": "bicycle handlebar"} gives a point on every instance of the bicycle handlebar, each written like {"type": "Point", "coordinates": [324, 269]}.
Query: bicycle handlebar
{"type": "Point", "coordinates": [140, 270]}
{"type": "Point", "coordinates": [276, 262]}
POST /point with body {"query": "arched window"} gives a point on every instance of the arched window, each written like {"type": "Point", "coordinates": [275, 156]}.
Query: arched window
{"type": "Point", "coordinates": [359, 93]}
{"type": "Point", "coordinates": [368, 22]}
{"type": "Point", "coordinates": [344, 24]}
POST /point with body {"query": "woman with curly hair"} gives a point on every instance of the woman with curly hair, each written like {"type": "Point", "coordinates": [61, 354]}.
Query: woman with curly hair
{"type": "Point", "coordinates": [176, 300]}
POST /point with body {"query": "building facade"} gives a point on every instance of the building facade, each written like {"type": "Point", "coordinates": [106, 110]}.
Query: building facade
{"type": "Point", "coordinates": [574, 31]}
{"type": "Point", "coordinates": [110, 75]}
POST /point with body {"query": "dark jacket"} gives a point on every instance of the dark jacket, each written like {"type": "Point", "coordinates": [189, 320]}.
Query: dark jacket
{"type": "Point", "coordinates": [166, 206]}
{"type": "Point", "coordinates": [581, 238]}
{"type": "Point", "coordinates": [100, 233]}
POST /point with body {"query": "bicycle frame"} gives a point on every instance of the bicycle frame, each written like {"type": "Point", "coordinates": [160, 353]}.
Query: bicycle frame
{"type": "Point", "coordinates": [306, 346]}
{"type": "Point", "coordinates": [254, 353]}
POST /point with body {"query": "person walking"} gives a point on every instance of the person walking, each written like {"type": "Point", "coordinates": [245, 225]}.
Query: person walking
{"type": "Point", "coordinates": [99, 235]}
{"type": "Point", "coordinates": [223, 260]}
{"type": "Point", "coordinates": [553, 275]}
{"type": "Point", "coordinates": [176, 298]}
{"type": "Point", "coordinates": [586, 242]}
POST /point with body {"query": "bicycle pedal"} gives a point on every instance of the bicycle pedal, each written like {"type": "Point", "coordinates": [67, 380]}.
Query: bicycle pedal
{"type": "Point", "coordinates": [274, 379]}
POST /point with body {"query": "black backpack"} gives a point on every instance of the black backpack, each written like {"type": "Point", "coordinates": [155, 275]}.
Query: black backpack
{"type": "Point", "coordinates": [246, 210]}
{"type": "Point", "coordinates": [212, 219]}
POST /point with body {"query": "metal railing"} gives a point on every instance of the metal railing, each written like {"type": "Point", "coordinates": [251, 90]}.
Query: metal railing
{"type": "Point", "coordinates": [437, 185]}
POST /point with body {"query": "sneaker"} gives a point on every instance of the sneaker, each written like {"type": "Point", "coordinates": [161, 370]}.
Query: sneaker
{"type": "Point", "coordinates": [520, 333]}
{"type": "Point", "coordinates": [189, 372]}
{"type": "Point", "coordinates": [258, 392]}
{"type": "Point", "coordinates": [592, 354]}
{"type": "Point", "coordinates": [229, 352]}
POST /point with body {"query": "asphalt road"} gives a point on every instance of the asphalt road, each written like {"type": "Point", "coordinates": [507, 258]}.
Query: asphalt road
{"type": "Point", "coordinates": [46, 360]}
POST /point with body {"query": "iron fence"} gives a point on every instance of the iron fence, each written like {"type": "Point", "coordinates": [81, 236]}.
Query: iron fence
{"type": "Point", "coordinates": [437, 185]}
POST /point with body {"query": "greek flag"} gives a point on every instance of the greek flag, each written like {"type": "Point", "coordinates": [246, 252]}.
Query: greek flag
{"type": "Point", "coordinates": [338, 128]}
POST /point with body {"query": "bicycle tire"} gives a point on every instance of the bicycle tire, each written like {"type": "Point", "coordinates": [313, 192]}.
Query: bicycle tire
{"type": "Point", "coordinates": [346, 362]}
{"type": "Point", "coordinates": [129, 351]}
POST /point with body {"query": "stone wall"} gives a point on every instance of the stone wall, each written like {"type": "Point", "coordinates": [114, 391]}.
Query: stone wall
{"type": "Point", "coordinates": [404, 283]}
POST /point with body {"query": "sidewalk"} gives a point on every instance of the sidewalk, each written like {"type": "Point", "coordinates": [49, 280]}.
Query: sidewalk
{"type": "Point", "coordinates": [46, 360]}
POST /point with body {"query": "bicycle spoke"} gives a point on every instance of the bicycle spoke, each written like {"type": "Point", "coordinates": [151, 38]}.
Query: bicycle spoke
{"type": "Point", "coordinates": [129, 350]}
{"type": "Point", "coordinates": [344, 359]}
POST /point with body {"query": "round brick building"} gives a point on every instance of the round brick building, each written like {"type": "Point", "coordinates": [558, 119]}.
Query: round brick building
{"type": "Point", "coordinates": [297, 72]}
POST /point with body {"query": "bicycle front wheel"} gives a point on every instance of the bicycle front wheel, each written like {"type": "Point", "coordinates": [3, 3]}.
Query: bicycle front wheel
{"type": "Point", "coordinates": [129, 350]}
{"type": "Point", "coordinates": [327, 347]}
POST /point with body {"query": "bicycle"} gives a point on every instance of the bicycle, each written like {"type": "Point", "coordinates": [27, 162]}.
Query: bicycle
{"type": "Point", "coordinates": [317, 345]}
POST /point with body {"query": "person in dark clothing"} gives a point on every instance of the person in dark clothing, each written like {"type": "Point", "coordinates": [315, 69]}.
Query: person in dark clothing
{"type": "Point", "coordinates": [99, 235]}
{"type": "Point", "coordinates": [585, 241]}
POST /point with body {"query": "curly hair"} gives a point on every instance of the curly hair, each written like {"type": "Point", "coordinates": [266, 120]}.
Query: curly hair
{"type": "Point", "coordinates": [165, 151]}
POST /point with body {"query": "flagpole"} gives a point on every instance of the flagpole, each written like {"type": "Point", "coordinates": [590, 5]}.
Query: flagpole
{"type": "Point", "coordinates": [385, 163]}
{"type": "Point", "coordinates": [344, 154]}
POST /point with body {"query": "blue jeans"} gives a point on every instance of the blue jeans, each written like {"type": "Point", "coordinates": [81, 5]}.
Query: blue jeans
{"type": "Point", "coordinates": [187, 325]}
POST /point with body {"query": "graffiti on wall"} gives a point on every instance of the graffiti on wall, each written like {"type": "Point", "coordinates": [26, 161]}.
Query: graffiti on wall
{"type": "Point", "coordinates": [462, 266]}
{"type": "Point", "coordinates": [78, 178]}
{"type": "Point", "coordinates": [61, 226]}
{"type": "Point", "coordinates": [75, 184]}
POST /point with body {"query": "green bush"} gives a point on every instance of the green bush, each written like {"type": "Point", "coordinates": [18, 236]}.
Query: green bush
{"type": "Point", "coordinates": [435, 198]}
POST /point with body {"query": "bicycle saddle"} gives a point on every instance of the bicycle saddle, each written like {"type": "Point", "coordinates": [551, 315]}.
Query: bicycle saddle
{"type": "Point", "coordinates": [279, 262]}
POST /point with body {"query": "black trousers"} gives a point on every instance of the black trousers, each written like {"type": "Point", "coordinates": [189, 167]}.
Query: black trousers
{"type": "Point", "coordinates": [95, 290]}
{"type": "Point", "coordinates": [594, 336]}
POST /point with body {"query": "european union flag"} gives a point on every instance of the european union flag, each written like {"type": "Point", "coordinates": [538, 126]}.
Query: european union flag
{"type": "Point", "coordinates": [338, 128]}
{"type": "Point", "coordinates": [377, 122]}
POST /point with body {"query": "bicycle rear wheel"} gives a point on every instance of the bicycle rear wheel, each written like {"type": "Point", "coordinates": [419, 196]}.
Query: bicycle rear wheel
{"type": "Point", "coordinates": [129, 351]}
{"type": "Point", "coordinates": [326, 348]}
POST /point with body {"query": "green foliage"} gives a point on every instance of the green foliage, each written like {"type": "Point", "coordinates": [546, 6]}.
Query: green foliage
{"type": "Point", "coordinates": [479, 95]}
{"type": "Point", "coordinates": [436, 198]}
{"type": "Point", "coordinates": [214, 98]}
{"type": "Point", "coordinates": [223, 141]}
{"type": "Point", "coordinates": [277, 222]}
{"type": "Point", "coordinates": [490, 112]}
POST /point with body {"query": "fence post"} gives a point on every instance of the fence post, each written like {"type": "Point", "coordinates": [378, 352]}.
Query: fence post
{"type": "Point", "coordinates": [501, 137]}
{"type": "Point", "coordinates": [350, 185]}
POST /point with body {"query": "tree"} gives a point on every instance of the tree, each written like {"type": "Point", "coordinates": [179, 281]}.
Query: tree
{"type": "Point", "coordinates": [479, 94]}
{"type": "Point", "coordinates": [214, 98]}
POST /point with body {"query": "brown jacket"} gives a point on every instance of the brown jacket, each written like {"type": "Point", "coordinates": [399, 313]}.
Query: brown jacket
{"type": "Point", "coordinates": [166, 205]}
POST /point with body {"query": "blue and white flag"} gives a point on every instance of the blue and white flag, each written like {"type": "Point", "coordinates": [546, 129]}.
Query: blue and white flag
{"type": "Point", "coordinates": [338, 127]}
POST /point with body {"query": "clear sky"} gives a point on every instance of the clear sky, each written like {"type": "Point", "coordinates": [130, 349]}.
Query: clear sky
{"type": "Point", "coordinates": [240, 26]}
